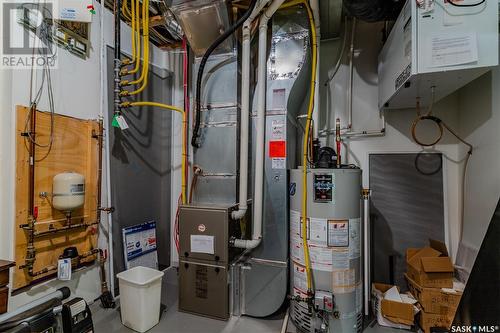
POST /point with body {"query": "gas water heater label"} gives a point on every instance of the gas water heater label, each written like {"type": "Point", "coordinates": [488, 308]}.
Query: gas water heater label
{"type": "Point", "coordinates": [324, 188]}
{"type": "Point", "coordinates": [338, 233]}
{"type": "Point", "coordinates": [299, 277]}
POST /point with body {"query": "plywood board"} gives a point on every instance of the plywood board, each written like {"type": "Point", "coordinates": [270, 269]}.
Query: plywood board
{"type": "Point", "coordinates": [73, 149]}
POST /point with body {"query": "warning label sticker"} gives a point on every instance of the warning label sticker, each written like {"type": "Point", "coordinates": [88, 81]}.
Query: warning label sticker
{"type": "Point", "coordinates": [344, 281]}
{"type": "Point", "coordinates": [278, 129]}
{"type": "Point", "coordinates": [299, 277]}
{"type": "Point", "coordinates": [354, 238]}
{"type": "Point", "coordinates": [278, 163]}
{"type": "Point", "coordinates": [338, 233]}
{"type": "Point", "coordinates": [277, 149]}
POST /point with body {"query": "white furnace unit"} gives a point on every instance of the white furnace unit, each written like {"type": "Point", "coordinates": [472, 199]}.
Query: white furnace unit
{"type": "Point", "coordinates": [440, 44]}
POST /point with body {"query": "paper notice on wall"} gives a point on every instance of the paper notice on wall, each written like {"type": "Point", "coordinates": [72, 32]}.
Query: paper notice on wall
{"type": "Point", "coordinates": [203, 244]}
{"type": "Point", "coordinates": [451, 49]}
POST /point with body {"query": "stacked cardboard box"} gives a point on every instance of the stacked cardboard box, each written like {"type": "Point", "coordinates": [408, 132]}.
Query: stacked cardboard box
{"type": "Point", "coordinates": [430, 280]}
{"type": "Point", "coordinates": [391, 308]}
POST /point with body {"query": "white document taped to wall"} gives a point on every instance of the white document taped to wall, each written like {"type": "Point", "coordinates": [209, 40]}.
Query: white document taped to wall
{"type": "Point", "coordinates": [451, 49]}
{"type": "Point", "coordinates": [203, 244]}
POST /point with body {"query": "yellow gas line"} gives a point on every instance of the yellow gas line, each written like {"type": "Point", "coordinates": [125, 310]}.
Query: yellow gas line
{"type": "Point", "coordinates": [145, 62]}
{"type": "Point", "coordinates": [305, 144]}
{"type": "Point", "coordinates": [184, 137]}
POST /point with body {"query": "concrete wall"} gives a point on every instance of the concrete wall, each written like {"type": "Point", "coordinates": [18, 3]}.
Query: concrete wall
{"type": "Point", "coordinates": [77, 88]}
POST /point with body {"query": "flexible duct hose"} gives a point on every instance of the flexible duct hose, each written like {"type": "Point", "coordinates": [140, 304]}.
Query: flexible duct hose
{"type": "Point", "coordinates": [204, 59]}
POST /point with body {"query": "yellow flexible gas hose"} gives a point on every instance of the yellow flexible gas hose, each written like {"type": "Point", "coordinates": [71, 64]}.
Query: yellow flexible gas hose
{"type": "Point", "coordinates": [125, 11]}
{"type": "Point", "coordinates": [136, 39]}
{"type": "Point", "coordinates": [184, 138]}
{"type": "Point", "coordinates": [305, 144]}
{"type": "Point", "coordinates": [145, 61]}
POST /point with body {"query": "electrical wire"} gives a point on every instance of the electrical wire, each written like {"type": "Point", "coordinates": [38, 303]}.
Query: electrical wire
{"type": "Point", "coordinates": [201, 69]}
{"type": "Point", "coordinates": [451, 2]}
{"type": "Point", "coordinates": [43, 32]}
{"type": "Point", "coordinates": [442, 126]}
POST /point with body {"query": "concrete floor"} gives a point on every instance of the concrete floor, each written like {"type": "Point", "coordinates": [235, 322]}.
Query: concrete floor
{"type": "Point", "coordinates": [173, 321]}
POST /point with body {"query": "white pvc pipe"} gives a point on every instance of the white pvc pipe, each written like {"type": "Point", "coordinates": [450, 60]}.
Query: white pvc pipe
{"type": "Point", "coordinates": [366, 251]}
{"type": "Point", "coordinates": [260, 136]}
{"type": "Point", "coordinates": [351, 73]}
{"type": "Point", "coordinates": [245, 113]}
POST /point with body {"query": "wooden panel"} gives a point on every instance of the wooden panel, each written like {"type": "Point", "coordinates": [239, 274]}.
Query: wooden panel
{"type": "Point", "coordinates": [4, 272]}
{"type": "Point", "coordinates": [73, 149]}
{"type": "Point", "coordinates": [4, 298]}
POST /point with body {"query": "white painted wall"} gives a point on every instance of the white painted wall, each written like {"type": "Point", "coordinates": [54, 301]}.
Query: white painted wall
{"type": "Point", "coordinates": [479, 111]}
{"type": "Point", "coordinates": [77, 91]}
{"type": "Point", "coordinates": [366, 116]}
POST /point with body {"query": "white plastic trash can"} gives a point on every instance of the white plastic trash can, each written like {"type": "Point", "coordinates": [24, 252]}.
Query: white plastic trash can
{"type": "Point", "coordinates": [140, 297]}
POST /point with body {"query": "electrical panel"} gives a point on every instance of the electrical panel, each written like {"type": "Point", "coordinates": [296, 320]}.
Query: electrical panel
{"type": "Point", "coordinates": [435, 48]}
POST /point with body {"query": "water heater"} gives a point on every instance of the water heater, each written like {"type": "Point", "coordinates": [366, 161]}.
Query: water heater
{"type": "Point", "coordinates": [68, 191]}
{"type": "Point", "coordinates": [334, 242]}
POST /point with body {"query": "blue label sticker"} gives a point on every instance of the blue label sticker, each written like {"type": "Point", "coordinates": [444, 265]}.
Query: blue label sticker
{"type": "Point", "coordinates": [293, 188]}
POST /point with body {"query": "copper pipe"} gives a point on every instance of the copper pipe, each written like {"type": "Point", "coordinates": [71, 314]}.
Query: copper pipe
{"type": "Point", "coordinates": [62, 229]}
{"type": "Point", "coordinates": [99, 136]}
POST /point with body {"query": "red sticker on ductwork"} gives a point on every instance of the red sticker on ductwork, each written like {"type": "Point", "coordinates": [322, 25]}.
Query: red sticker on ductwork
{"type": "Point", "coordinates": [277, 149]}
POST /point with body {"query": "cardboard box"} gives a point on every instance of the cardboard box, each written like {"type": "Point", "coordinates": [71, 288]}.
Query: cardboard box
{"type": "Point", "coordinates": [435, 300]}
{"type": "Point", "coordinates": [430, 320]}
{"type": "Point", "coordinates": [400, 314]}
{"type": "Point", "coordinates": [430, 266]}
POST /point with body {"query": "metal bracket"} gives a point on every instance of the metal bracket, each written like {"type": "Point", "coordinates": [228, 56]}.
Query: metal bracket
{"type": "Point", "coordinates": [108, 210]}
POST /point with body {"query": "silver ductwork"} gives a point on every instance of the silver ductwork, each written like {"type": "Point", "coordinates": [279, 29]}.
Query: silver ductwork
{"type": "Point", "coordinates": [203, 21]}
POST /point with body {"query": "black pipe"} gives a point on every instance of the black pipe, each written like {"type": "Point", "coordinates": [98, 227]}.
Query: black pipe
{"type": "Point", "coordinates": [203, 62]}
{"type": "Point", "coordinates": [117, 60]}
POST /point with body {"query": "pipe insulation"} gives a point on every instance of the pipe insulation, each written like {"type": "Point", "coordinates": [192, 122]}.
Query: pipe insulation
{"type": "Point", "coordinates": [260, 136]}
{"type": "Point", "coordinates": [245, 113]}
